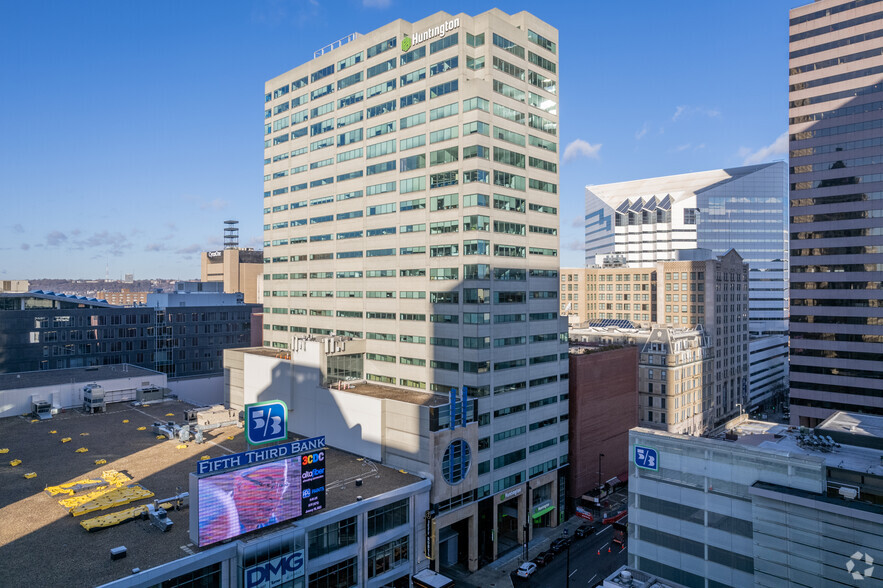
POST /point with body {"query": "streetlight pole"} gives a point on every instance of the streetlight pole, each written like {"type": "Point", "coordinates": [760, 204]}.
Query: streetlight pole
{"type": "Point", "coordinates": [600, 455]}
{"type": "Point", "coordinates": [568, 559]}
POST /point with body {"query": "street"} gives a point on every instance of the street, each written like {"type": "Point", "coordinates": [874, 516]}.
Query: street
{"type": "Point", "coordinates": [590, 563]}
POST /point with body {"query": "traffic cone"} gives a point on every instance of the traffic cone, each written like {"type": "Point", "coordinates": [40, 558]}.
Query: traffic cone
{"type": "Point", "coordinates": [608, 550]}
{"type": "Point", "coordinates": [599, 552]}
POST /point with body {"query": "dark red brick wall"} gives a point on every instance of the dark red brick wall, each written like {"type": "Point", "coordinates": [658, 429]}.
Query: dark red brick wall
{"type": "Point", "coordinates": [603, 407]}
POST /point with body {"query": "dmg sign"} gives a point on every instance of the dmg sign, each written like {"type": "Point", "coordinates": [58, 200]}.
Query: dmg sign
{"type": "Point", "coordinates": [276, 571]}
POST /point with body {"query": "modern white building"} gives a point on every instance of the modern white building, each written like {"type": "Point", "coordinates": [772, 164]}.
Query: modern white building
{"type": "Point", "coordinates": [744, 208]}
{"type": "Point", "coordinates": [411, 222]}
{"type": "Point", "coordinates": [778, 507]}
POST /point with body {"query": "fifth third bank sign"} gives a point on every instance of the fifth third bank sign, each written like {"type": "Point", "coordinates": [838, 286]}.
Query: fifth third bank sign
{"type": "Point", "coordinates": [266, 422]}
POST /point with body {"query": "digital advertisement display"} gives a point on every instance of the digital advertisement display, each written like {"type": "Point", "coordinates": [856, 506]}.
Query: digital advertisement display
{"type": "Point", "coordinates": [235, 502]}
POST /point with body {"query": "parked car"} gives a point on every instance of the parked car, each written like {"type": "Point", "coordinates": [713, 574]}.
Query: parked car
{"type": "Point", "coordinates": [544, 558]}
{"type": "Point", "coordinates": [526, 569]}
{"type": "Point", "coordinates": [560, 544]}
{"type": "Point", "coordinates": [584, 531]}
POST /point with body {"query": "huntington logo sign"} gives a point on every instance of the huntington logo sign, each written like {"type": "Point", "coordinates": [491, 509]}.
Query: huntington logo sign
{"type": "Point", "coordinates": [430, 33]}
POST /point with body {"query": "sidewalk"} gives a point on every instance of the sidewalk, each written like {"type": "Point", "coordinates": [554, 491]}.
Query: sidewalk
{"type": "Point", "coordinates": [497, 573]}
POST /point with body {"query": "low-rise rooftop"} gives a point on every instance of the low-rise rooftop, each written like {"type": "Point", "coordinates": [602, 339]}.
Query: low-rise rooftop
{"type": "Point", "coordinates": [70, 376]}
{"type": "Point", "coordinates": [34, 523]}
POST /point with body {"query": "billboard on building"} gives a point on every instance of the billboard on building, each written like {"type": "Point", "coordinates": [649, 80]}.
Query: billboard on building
{"type": "Point", "coordinates": [234, 500]}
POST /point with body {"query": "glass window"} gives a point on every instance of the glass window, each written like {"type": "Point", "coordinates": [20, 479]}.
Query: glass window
{"type": "Point", "coordinates": [508, 45]}
{"type": "Point", "coordinates": [332, 537]}
{"type": "Point", "coordinates": [388, 556]}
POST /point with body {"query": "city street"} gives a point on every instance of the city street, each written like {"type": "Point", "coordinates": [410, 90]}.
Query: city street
{"type": "Point", "coordinates": [587, 567]}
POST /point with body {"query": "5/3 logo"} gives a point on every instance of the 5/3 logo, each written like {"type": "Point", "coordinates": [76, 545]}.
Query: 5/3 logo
{"type": "Point", "coordinates": [266, 422]}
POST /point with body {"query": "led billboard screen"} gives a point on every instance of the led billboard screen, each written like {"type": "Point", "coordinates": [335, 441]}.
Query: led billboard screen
{"type": "Point", "coordinates": [250, 498]}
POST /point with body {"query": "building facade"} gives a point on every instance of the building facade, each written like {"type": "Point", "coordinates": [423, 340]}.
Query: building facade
{"type": "Point", "coordinates": [676, 382]}
{"type": "Point", "coordinates": [603, 407]}
{"type": "Point", "coordinates": [744, 208]}
{"type": "Point", "coordinates": [835, 130]}
{"type": "Point", "coordinates": [774, 509]}
{"type": "Point", "coordinates": [708, 294]}
{"type": "Point", "coordinates": [238, 269]}
{"type": "Point", "coordinates": [411, 202]}
{"type": "Point", "coordinates": [47, 331]}
{"type": "Point", "coordinates": [123, 298]}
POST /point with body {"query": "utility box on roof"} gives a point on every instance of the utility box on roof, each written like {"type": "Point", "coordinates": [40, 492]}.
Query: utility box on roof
{"type": "Point", "coordinates": [149, 394]}
{"type": "Point", "coordinates": [93, 398]}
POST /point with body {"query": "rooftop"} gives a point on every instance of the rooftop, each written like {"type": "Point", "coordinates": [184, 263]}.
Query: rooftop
{"type": "Point", "coordinates": [634, 578]}
{"type": "Point", "coordinates": [676, 188]}
{"type": "Point", "coordinates": [58, 297]}
{"type": "Point", "coordinates": [70, 376]}
{"type": "Point", "coordinates": [35, 523]}
{"type": "Point", "coordinates": [843, 454]}
{"type": "Point", "coordinates": [399, 394]}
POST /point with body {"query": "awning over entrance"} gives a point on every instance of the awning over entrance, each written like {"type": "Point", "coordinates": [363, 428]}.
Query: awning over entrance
{"type": "Point", "coordinates": [430, 579]}
{"type": "Point", "coordinates": [543, 511]}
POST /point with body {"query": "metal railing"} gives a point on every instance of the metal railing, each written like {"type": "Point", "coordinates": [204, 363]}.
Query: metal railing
{"type": "Point", "coordinates": [336, 44]}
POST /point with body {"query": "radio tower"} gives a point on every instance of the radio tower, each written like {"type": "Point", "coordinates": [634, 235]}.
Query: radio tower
{"type": "Point", "coordinates": [231, 234]}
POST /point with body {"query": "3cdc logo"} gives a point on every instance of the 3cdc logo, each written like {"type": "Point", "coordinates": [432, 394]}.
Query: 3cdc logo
{"type": "Point", "coordinates": [277, 570]}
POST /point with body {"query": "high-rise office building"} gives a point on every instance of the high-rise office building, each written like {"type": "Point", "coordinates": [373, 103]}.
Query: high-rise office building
{"type": "Point", "coordinates": [835, 130]}
{"type": "Point", "coordinates": [743, 208]}
{"type": "Point", "coordinates": [411, 202]}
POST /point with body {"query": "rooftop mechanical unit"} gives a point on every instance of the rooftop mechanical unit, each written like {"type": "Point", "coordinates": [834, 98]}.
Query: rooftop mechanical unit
{"type": "Point", "coordinates": [93, 399]}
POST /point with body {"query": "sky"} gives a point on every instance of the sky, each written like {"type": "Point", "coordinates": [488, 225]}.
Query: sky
{"type": "Point", "coordinates": [129, 131]}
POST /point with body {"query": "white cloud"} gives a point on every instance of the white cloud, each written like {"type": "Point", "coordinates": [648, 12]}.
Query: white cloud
{"type": "Point", "coordinates": [193, 248]}
{"type": "Point", "coordinates": [376, 3]}
{"type": "Point", "coordinates": [575, 245]}
{"type": "Point", "coordinates": [580, 148]}
{"type": "Point", "coordinates": [55, 238]}
{"type": "Point", "coordinates": [640, 134]}
{"type": "Point", "coordinates": [683, 147]}
{"type": "Point", "coordinates": [683, 111]}
{"type": "Point", "coordinates": [777, 147]}
{"type": "Point", "coordinates": [216, 204]}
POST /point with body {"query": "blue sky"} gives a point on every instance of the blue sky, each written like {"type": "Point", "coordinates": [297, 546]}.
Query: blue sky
{"type": "Point", "coordinates": [130, 131]}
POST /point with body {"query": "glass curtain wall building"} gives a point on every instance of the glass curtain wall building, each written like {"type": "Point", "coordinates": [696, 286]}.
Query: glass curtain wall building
{"type": "Point", "coordinates": [411, 200]}
{"type": "Point", "coordinates": [835, 129]}
{"type": "Point", "coordinates": [744, 208]}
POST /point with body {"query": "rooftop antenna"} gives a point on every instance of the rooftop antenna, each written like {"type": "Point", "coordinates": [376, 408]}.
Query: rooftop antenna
{"type": "Point", "coordinates": [231, 234]}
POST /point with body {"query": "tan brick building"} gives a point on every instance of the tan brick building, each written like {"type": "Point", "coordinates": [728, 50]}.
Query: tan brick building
{"type": "Point", "coordinates": [237, 268]}
{"type": "Point", "coordinates": [706, 293]}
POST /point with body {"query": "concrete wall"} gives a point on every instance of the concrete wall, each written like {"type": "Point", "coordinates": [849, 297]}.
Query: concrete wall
{"type": "Point", "coordinates": [603, 407]}
{"type": "Point", "coordinates": [351, 422]}
{"type": "Point", "coordinates": [17, 401]}
{"type": "Point", "coordinates": [406, 436]}
{"type": "Point", "coordinates": [199, 391]}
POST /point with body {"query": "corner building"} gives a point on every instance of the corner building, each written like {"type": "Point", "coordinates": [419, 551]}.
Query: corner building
{"type": "Point", "coordinates": [411, 203]}
{"type": "Point", "coordinates": [835, 131]}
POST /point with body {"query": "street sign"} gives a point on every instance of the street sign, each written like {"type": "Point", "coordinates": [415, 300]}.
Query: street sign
{"type": "Point", "coordinates": [647, 458]}
{"type": "Point", "coordinates": [266, 422]}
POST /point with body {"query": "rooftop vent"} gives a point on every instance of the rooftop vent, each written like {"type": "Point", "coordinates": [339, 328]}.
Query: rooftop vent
{"type": "Point", "coordinates": [848, 493]}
